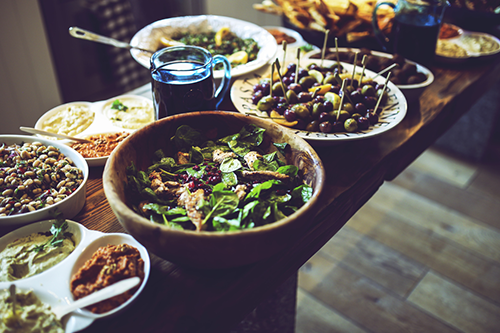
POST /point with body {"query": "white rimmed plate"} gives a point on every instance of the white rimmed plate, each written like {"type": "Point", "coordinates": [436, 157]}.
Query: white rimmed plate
{"type": "Point", "coordinates": [149, 38]}
{"type": "Point", "coordinates": [392, 113]}
{"type": "Point", "coordinates": [460, 41]}
{"type": "Point", "coordinates": [52, 286]}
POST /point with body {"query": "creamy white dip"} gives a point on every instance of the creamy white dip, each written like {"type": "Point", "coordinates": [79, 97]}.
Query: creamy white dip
{"type": "Point", "coordinates": [71, 120]}
{"type": "Point", "coordinates": [134, 115]}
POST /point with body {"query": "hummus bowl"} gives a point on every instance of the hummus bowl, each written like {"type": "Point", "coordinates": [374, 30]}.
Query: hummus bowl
{"type": "Point", "coordinates": [52, 286]}
{"type": "Point", "coordinates": [69, 207]}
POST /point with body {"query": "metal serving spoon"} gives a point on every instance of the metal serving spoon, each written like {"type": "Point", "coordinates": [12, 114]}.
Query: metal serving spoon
{"type": "Point", "coordinates": [105, 293]}
{"type": "Point", "coordinates": [56, 135]}
{"type": "Point", "coordinates": [85, 34]}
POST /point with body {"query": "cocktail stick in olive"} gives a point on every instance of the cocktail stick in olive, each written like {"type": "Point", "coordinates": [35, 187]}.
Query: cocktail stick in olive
{"type": "Point", "coordinates": [337, 53]}
{"type": "Point", "coordinates": [385, 70]}
{"type": "Point", "coordinates": [354, 67]}
{"type": "Point", "coordinates": [281, 80]}
{"type": "Point", "coordinates": [381, 95]}
{"type": "Point", "coordinates": [363, 62]}
{"type": "Point", "coordinates": [284, 52]}
{"type": "Point", "coordinates": [297, 67]}
{"type": "Point", "coordinates": [324, 46]}
{"type": "Point", "coordinates": [341, 99]}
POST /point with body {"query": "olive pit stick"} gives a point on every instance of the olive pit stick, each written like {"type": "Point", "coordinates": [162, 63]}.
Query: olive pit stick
{"type": "Point", "coordinates": [382, 94]}
{"type": "Point", "coordinates": [340, 81]}
{"type": "Point", "coordinates": [283, 87]}
{"type": "Point", "coordinates": [284, 51]}
{"type": "Point", "coordinates": [363, 62]}
{"type": "Point", "coordinates": [354, 67]}
{"type": "Point", "coordinates": [324, 46]}
{"type": "Point", "coordinates": [337, 53]}
{"type": "Point", "coordinates": [386, 70]}
{"type": "Point", "coordinates": [341, 99]}
{"type": "Point", "coordinates": [272, 75]}
{"type": "Point", "coordinates": [297, 67]}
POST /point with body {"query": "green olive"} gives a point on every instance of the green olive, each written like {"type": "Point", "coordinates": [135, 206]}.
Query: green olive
{"type": "Point", "coordinates": [344, 115]}
{"type": "Point", "coordinates": [291, 96]}
{"type": "Point", "coordinates": [278, 89]}
{"type": "Point", "coordinates": [356, 116]}
{"type": "Point", "coordinates": [266, 103]}
{"type": "Point", "coordinates": [385, 96]}
{"type": "Point", "coordinates": [301, 111]}
{"type": "Point", "coordinates": [307, 82]}
{"type": "Point", "coordinates": [351, 125]}
{"type": "Point", "coordinates": [349, 89]}
{"type": "Point", "coordinates": [348, 107]}
{"type": "Point", "coordinates": [334, 99]}
{"type": "Point", "coordinates": [317, 109]}
{"type": "Point", "coordinates": [329, 79]}
{"type": "Point", "coordinates": [313, 126]}
{"type": "Point", "coordinates": [368, 90]}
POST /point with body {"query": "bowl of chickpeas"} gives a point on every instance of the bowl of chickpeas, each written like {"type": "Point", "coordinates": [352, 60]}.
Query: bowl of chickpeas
{"type": "Point", "coordinates": [39, 179]}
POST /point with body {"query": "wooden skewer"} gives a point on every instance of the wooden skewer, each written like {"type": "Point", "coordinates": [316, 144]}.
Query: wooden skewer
{"type": "Point", "coordinates": [385, 70]}
{"type": "Point", "coordinates": [324, 46]}
{"type": "Point", "coordinates": [382, 94]}
{"type": "Point", "coordinates": [363, 62]}
{"type": "Point", "coordinates": [297, 67]}
{"type": "Point", "coordinates": [272, 75]}
{"type": "Point", "coordinates": [284, 52]}
{"type": "Point", "coordinates": [341, 99]}
{"type": "Point", "coordinates": [354, 67]}
{"type": "Point", "coordinates": [337, 52]}
{"type": "Point", "coordinates": [283, 87]}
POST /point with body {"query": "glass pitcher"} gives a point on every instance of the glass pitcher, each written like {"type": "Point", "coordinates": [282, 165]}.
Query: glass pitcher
{"type": "Point", "coordinates": [415, 28]}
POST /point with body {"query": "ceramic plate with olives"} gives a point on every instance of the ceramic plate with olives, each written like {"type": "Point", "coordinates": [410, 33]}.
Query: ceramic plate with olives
{"type": "Point", "coordinates": [314, 105]}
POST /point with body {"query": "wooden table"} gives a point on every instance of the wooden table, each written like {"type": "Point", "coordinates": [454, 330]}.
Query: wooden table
{"type": "Point", "coordinates": [178, 299]}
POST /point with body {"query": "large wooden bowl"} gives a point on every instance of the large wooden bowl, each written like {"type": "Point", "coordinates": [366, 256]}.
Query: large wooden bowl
{"type": "Point", "coordinates": [209, 249]}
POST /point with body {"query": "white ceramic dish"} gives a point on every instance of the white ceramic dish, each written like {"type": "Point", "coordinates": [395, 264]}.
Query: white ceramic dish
{"type": "Point", "coordinates": [411, 91]}
{"type": "Point", "coordinates": [149, 38]}
{"type": "Point", "coordinates": [392, 113]}
{"type": "Point", "coordinates": [52, 286]}
{"type": "Point", "coordinates": [70, 206]}
{"type": "Point", "coordinates": [470, 52]}
{"type": "Point", "coordinates": [299, 40]}
{"type": "Point", "coordinates": [101, 123]}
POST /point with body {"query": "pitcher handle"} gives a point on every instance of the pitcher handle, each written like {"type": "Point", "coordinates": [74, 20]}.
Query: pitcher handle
{"type": "Point", "coordinates": [382, 39]}
{"type": "Point", "coordinates": [226, 80]}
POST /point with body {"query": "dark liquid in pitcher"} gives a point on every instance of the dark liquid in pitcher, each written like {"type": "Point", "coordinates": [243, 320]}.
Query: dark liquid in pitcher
{"type": "Point", "coordinates": [185, 91]}
{"type": "Point", "coordinates": [415, 40]}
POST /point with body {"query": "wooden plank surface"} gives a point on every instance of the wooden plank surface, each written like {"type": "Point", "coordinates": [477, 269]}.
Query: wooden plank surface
{"type": "Point", "coordinates": [178, 299]}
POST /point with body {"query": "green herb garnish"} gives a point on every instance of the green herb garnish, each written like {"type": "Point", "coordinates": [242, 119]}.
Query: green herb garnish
{"type": "Point", "coordinates": [57, 230]}
{"type": "Point", "coordinates": [117, 105]}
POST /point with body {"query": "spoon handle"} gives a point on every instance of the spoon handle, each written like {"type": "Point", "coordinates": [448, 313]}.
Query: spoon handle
{"type": "Point", "coordinates": [108, 292]}
{"type": "Point", "coordinates": [85, 34]}
{"type": "Point", "coordinates": [56, 135]}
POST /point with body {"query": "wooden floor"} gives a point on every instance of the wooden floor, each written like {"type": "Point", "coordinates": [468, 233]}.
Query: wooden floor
{"type": "Point", "coordinates": [423, 255]}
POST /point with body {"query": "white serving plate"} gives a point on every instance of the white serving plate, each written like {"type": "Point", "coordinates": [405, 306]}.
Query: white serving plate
{"type": "Point", "coordinates": [71, 205]}
{"type": "Point", "coordinates": [392, 113]}
{"type": "Point", "coordinates": [52, 286]}
{"type": "Point", "coordinates": [149, 38]}
{"type": "Point", "coordinates": [459, 40]}
{"type": "Point", "coordinates": [100, 125]}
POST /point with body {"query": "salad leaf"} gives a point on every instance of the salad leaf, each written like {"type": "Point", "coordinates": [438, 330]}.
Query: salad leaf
{"type": "Point", "coordinates": [281, 147]}
{"type": "Point", "coordinates": [290, 170]}
{"type": "Point", "coordinates": [185, 137]}
{"type": "Point", "coordinates": [252, 134]}
{"type": "Point", "coordinates": [230, 165]}
{"type": "Point", "coordinates": [229, 178]}
{"type": "Point", "coordinates": [256, 192]}
{"type": "Point", "coordinates": [303, 193]}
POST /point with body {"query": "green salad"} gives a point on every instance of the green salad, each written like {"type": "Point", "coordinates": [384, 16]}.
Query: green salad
{"type": "Point", "coordinates": [221, 184]}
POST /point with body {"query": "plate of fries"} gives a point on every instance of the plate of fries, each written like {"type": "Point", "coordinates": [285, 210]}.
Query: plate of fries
{"type": "Point", "coordinates": [343, 18]}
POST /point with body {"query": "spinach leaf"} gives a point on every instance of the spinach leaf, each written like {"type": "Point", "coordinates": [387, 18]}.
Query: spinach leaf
{"type": "Point", "coordinates": [158, 155]}
{"type": "Point", "coordinates": [221, 203]}
{"type": "Point", "coordinates": [290, 170]}
{"type": "Point", "coordinates": [303, 193]}
{"type": "Point", "coordinates": [166, 163]}
{"type": "Point", "coordinates": [261, 165]}
{"type": "Point", "coordinates": [281, 147]}
{"type": "Point", "coordinates": [252, 134]}
{"type": "Point", "coordinates": [255, 193]}
{"type": "Point", "coordinates": [222, 224]}
{"type": "Point", "coordinates": [185, 137]}
{"type": "Point", "coordinates": [229, 178]}
{"type": "Point", "coordinates": [195, 155]}
{"type": "Point", "coordinates": [230, 165]}
{"type": "Point", "coordinates": [277, 213]}
{"type": "Point", "coordinates": [239, 148]}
